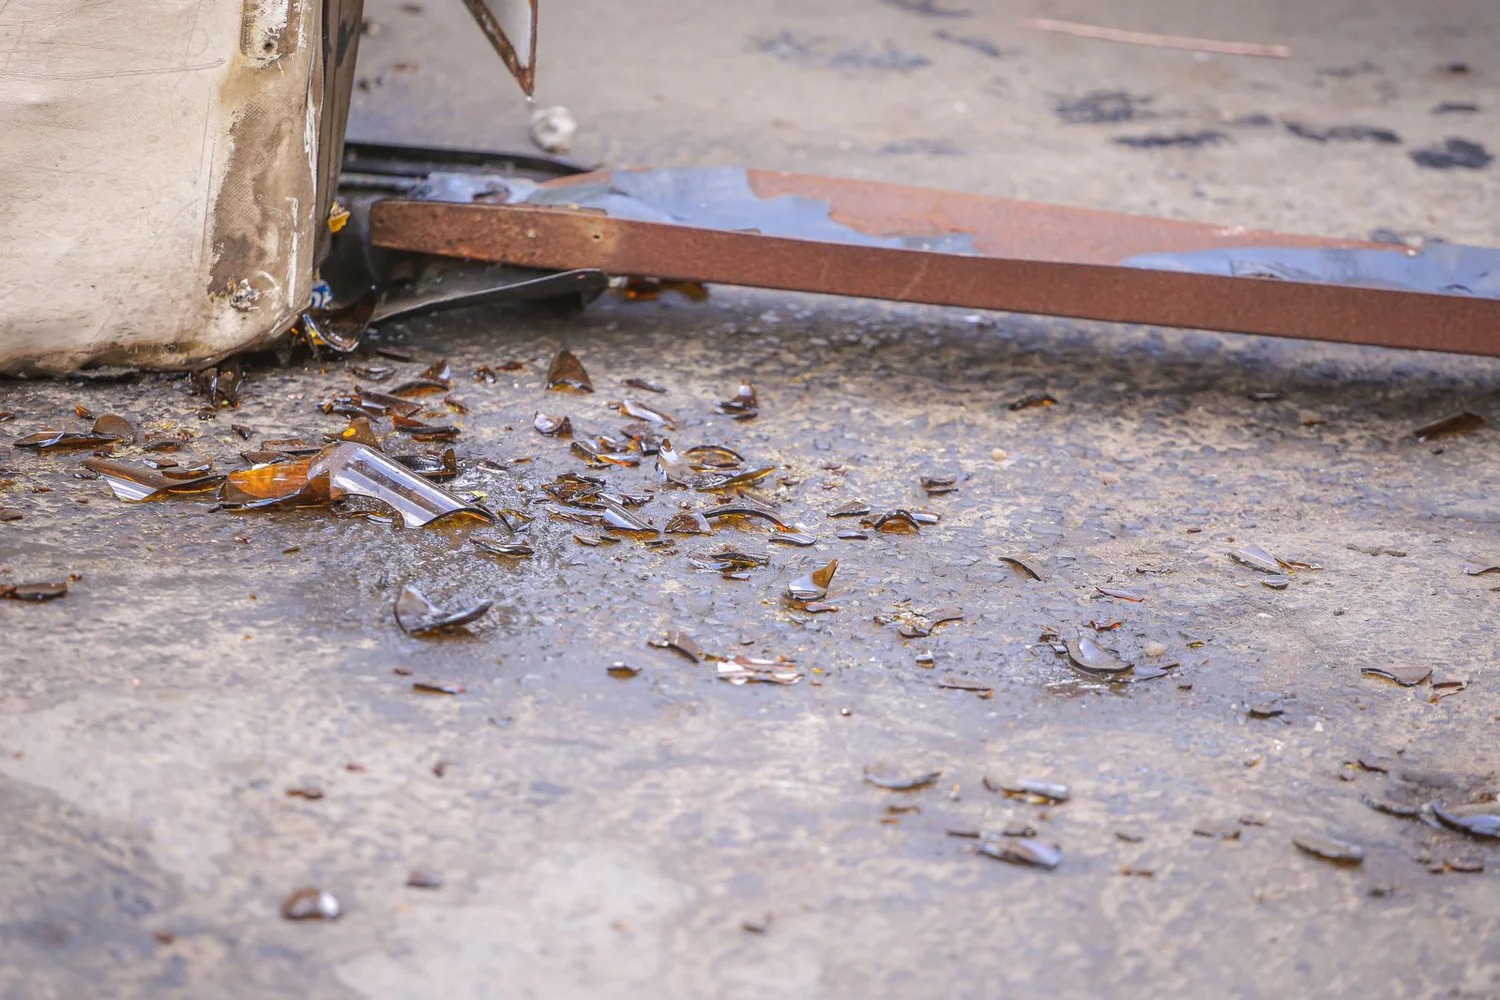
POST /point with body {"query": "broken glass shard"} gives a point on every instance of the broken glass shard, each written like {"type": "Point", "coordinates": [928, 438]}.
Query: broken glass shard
{"type": "Point", "coordinates": [757, 670]}
{"type": "Point", "coordinates": [896, 522]}
{"type": "Point", "coordinates": [344, 470]}
{"type": "Point", "coordinates": [134, 483]}
{"type": "Point", "coordinates": [1019, 568]}
{"type": "Point", "coordinates": [851, 508]}
{"type": "Point", "coordinates": [645, 385]}
{"type": "Point", "coordinates": [1337, 851]}
{"type": "Point", "coordinates": [1087, 655]}
{"type": "Point", "coordinates": [622, 670]}
{"type": "Point", "coordinates": [1034, 791]}
{"type": "Point", "coordinates": [1404, 676]}
{"type": "Point", "coordinates": [546, 423]}
{"type": "Point", "coordinates": [517, 550]}
{"type": "Point", "coordinates": [892, 780]}
{"type": "Point", "coordinates": [373, 373]}
{"type": "Point", "coordinates": [1267, 706]}
{"type": "Point", "coordinates": [791, 536]}
{"type": "Point", "coordinates": [714, 456]}
{"type": "Point", "coordinates": [966, 684]}
{"type": "Point", "coordinates": [938, 485]}
{"type": "Point", "coordinates": [418, 616]}
{"type": "Point", "coordinates": [1482, 820]}
{"type": "Point", "coordinates": [1480, 568]}
{"type": "Point", "coordinates": [744, 405]}
{"type": "Point", "coordinates": [813, 586]}
{"type": "Point", "coordinates": [1032, 401]}
{"type": "Point", "coordinates": [1459, 423]}
{"type": "Point", "coordinates": [1022, 851]}
{"type": "Point", "coordinates": [359, 431]}
{"type": "Point", "coordinates": [680, 642]}
{"type": "Point", "coordinates": [689, 523]}
{"type": "Point", "coordinates": [311, 904]}
{"type": "Point", "coordinates": [420, 431]}
{"type": "Point", "coordinates": [1256, 558]}
{"type": "Point", "coordinates": [567, 374]}
{"type": "Point", "coordinates": [640, 411]}
{"type": "Point", "coordinates": [437, 468]}
{"type": "Point", "coordinates": [745, 506]}
{"type": "Point", "coordinates": [33, 591]}
{"type": "Point", "coordinates": [1121, 594]}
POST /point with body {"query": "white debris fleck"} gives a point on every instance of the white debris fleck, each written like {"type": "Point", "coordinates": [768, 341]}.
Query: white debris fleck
{"type": "Point", "coordinates": [552, 129]}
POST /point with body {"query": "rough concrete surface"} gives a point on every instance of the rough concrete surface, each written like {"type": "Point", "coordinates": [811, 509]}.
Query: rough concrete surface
{"type": "Point", "coordinates": [605, 837]}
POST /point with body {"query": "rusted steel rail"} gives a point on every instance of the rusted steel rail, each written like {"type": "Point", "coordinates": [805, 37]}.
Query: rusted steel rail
{"type": "Point", "coordinates": [905, 244]}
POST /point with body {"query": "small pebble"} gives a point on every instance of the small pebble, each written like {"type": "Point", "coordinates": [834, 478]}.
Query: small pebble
{"type": "Point", "coordinates": [1154, 649]}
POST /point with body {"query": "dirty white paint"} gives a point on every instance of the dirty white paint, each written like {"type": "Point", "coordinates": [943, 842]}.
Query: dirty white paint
{"type": "Point", "coordinates": [117, 119]}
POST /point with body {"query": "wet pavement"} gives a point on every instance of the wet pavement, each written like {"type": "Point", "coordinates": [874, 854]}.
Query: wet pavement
{"type": "Point", "coordinates": [669, 833]}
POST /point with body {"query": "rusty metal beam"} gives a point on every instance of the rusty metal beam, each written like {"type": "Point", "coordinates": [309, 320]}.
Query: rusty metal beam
{"type": "Point", "coordinates": [1093, 283]}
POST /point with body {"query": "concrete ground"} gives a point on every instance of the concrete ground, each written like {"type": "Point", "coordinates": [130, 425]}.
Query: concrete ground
{"type": "Point", "coordinates": [674, 835]}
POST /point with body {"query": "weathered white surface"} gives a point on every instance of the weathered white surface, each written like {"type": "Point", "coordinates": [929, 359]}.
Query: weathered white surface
{"type": "Point", "coordinates": [122, 125]}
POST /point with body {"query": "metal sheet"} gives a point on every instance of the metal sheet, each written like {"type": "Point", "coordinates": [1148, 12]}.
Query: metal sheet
{"type": "Point", "coordinates": [1085, 280]}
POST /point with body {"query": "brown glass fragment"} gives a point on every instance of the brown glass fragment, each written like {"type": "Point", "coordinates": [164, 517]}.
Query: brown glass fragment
{"type": "Point", "coordinates": [714, 456]}
{"type": "Point", "coordinates": [882, 776]}
{"type": "Point", "coordinates": [745, 506]}
{"type": "Point", "coordinates": [640, 411]}
{"type": "Point", "coordinates": [896, 522]}
{"type": "Point", "coordinates": [515, 550]}
{"type": "Point", "coordinates": [33, 592]}
{"type": "Point", "coordinates": [680, 642]}
{"type": "Point", "coordinates": [1019, 568]}
{"type": "Point", "coordinates": [418, 616]}
{"type": "Point", "coordinates": [340, 328]}
{"type": "Point", "coordinates": [1087, 655]}
{"type": "Point", "coordinates": [373, 373]}
{"type": "Point", "coordinates": [813, 586]}
{"type": "Point", "coordinates": [1033, 401]}
{"type": "Point", "coordinates": [219, 384]}
{"type": "Point", "coordinates": [546, 423]}
{"type": "Point", "coordinates": [134, 483]}
{"type": "Point", "coordinates": [435, 468]}
{"type": "Point", "coordinates": [1481, 820]}
{"type": "Point", "coordinates": [1459, 423]}
{"type": "Point", "coordinates": [1022, 851]}
{"type": "Point", "coordinates": [107, 430]}
{"type": "Point", "coordinates": [791, 536]}
{"type": "Point", "coordinates": [621, 670]}
{"type": "Point", "coordinates": [437, 687]}
{"type": "Point", "coordinates": [567, 375]}
{"type": "Point", "coordinates": [1480, 568]}
{"type": "Point", "coordinates": [645, 385]}
{"type": "Point", "coordinates": [342, 470]}
{"type": "Point", "coordinates": [1033, 790]}
{"type": "Point", "coordinates": [1404, 676]}
{"type": "Point", "coordinates": [967, 684]}
{"type": "Point", "coordinates": [1121, 594]}
{"type": "Point", "coordinates": [423, 878]}
{"type": "Point", "coordinates": [743, 670]}
{"type": "Point", "coordinates": [938, 485]}
{"type": "Point", "coordinates": [688, 523]}
{"type": "Point", "coordinates": [744, 405]}
{"type": "Point", "coordinates": [1338, 851]}
{"type": "Point", "coordinates": [638, 289]}
{"type": "Point", "coordinates": [309, 903]}
{"type": "Point", "coordinates": [850, 508]}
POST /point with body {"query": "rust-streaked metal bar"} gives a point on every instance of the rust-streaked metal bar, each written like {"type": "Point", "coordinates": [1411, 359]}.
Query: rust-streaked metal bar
{"type": "Point", "coordinates": [1114, 292]}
